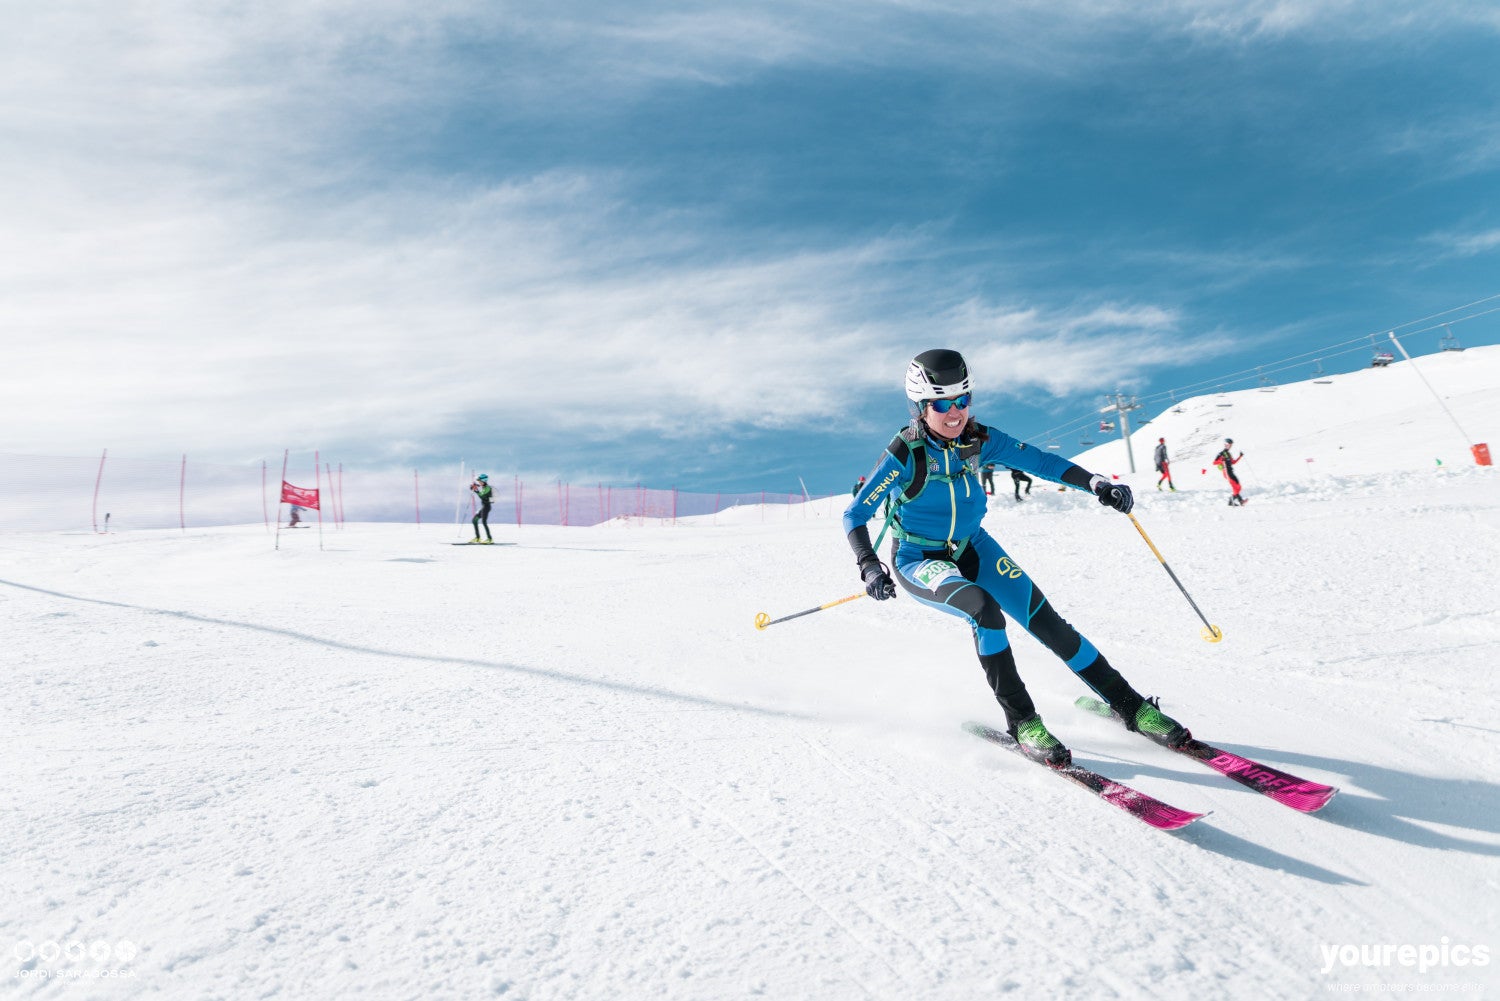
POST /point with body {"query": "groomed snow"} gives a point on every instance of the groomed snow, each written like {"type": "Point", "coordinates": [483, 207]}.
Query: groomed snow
{"type": "Point", "coordinates": [571, 768]}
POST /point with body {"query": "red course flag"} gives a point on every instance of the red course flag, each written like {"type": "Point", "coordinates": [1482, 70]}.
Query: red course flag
{"type": "Point", "coordinates": [300, 496]}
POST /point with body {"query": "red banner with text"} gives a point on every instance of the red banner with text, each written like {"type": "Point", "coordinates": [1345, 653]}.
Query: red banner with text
{"type": "Point", "coordinates": [300, 496]}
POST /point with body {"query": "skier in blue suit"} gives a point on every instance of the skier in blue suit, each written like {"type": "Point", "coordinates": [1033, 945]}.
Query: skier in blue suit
{"type": "Point", "coordinates": [945, 559]}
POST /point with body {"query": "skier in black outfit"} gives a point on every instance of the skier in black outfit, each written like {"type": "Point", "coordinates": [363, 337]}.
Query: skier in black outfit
{"type": "Point", "coordinates": [486, 494]}
{"type": "Point", "coordinates": [1017, 477]}
{"type": "Point", "coordinates": [1226, 462]}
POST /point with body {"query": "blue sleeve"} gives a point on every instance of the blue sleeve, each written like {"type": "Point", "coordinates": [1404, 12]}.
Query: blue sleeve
{"type": "Point", "coordinates": [1008, 451]}
{"type": "Point", "coordinates": [890, 476]}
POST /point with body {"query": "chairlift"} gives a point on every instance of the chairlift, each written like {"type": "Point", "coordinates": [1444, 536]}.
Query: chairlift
{"type": "Point", "coordinates": [1085, 440]}
{"type": "Point", "coordinates": [1449, 342]}
{"type": "Point", "coordinates": [1382, 358]}
{"type": "Point", "coordinates": [1266, 385]}
{"type": "Point", "coordinates": [1053, 445]}
{"type": "Point", "coordinates": [1105, 427]}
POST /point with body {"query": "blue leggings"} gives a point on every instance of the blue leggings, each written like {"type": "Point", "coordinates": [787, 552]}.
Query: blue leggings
{"type": "Point", "coordinates": [983, 585]}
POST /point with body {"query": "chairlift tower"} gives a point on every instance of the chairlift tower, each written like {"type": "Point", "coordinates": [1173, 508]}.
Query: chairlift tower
{"type": "Point", "coordinates": [1123, 405]}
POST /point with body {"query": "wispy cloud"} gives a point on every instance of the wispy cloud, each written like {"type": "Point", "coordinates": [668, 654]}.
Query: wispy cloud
{"type": "Point", "coordinates": [1467, 244]}
{"type": "Point", "coordinates": [1455, 145]}
{"type": "Point", "coordinates": [1023, 351]}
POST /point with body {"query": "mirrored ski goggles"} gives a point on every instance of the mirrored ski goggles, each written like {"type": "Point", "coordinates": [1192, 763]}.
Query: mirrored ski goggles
{"type": "Point", "coordinates": [943, 406]}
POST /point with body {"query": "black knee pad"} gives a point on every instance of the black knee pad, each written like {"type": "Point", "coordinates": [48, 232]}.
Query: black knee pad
{"type": "Point", "coordinates": [976, 603]}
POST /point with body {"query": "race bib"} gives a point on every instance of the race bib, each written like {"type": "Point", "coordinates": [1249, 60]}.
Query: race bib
{"type": "Point", "coordinates": [932, 574]}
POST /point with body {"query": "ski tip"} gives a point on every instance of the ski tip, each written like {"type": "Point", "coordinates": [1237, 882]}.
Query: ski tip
{"type": "Point", "coordinates": [1176, 820]}
{"type": "Point", "coordinates": [1093, 705]}
{"type": "Point", "coordinates": [1306, 798]}
{"type": "Point", "coordinates": [1152, 811]}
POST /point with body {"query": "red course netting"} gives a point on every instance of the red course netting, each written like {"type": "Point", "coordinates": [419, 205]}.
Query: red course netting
{"type": "Point", "coordinates": [95, 493]}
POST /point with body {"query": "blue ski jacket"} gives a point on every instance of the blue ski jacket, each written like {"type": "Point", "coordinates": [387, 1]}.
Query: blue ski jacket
{"type": "Point", "coordinates": [951, 502]}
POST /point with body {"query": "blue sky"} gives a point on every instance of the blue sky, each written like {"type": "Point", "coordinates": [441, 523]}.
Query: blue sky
{"type": "Point", "coordinates": [694, 245]}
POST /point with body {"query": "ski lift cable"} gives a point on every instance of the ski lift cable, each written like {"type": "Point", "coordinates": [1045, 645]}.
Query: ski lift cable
{"type": "Point", "coordinates": [1353, 344]}
{"type": "Point", "coordinates": [1350, 346]}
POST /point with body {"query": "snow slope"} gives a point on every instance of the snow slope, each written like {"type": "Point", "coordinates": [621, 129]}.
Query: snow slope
{"type": "Point", "coordinates": [571, 768]}
{"type": "Point", "coordinates": [1371, 420]}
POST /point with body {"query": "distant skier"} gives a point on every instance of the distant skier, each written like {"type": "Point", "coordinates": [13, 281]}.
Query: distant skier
{"type": "Point", "coordinates": [1226, 465]}
{"type": "Point", "coordinates": [859, 485]}
{"type": "Point", "coordinates": [987, 477]}
{"type": "Point", "coordinates": [296, 517]}
{"type": "Point", "coordinates": [945, 559]}
{"type": "Point", "coordinates": [486, 494]}
{"type": "Point", "coordinates": [1017, 477]}
{"type": "Point", "coordinates": [1163, 466]}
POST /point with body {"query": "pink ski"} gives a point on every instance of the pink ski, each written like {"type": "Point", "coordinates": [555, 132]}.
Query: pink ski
{"type": "Point", "coordinates": [1284, 787]}
{"type": "Point", "coordinates": [1162, 816]}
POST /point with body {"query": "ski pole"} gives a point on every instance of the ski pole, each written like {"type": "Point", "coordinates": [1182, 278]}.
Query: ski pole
{"type": "Point", "coordinates": [762, 620]}
{"type": "Point", "coordinates": [1209, 632]}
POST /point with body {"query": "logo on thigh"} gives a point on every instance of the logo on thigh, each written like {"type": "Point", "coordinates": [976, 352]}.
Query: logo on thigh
{"type": "Point", "coordinates": [1007, 568]}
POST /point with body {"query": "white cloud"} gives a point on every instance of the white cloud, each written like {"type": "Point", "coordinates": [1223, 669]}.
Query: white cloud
{"type": "Point", "coordinates": [406, 315]}
{"type": "Point", "coordinates": [196, 253]}
{"type": "Point", "coordinates": [1021, 351]}
{"type": "Point", "coordinates": [1467, 244]}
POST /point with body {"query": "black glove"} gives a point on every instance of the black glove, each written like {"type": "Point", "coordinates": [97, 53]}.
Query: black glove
{"type": "Point", "coordinates": [1115, 495]}
{"type": "Point", "coordinates": [878, 583]}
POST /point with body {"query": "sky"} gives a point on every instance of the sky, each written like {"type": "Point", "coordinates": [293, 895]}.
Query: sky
{"type": "Point", "coordinates": [692, 246]}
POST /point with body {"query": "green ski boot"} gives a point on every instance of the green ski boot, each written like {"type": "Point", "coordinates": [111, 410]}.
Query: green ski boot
{"type": "Point", "coordinates": [1152, 722]}
{"type": "Point", "coordinates": [1038, 744]}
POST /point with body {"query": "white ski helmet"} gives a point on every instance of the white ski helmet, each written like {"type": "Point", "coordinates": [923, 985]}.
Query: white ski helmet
{"type": "Point", "coordinates": [935, 374]}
